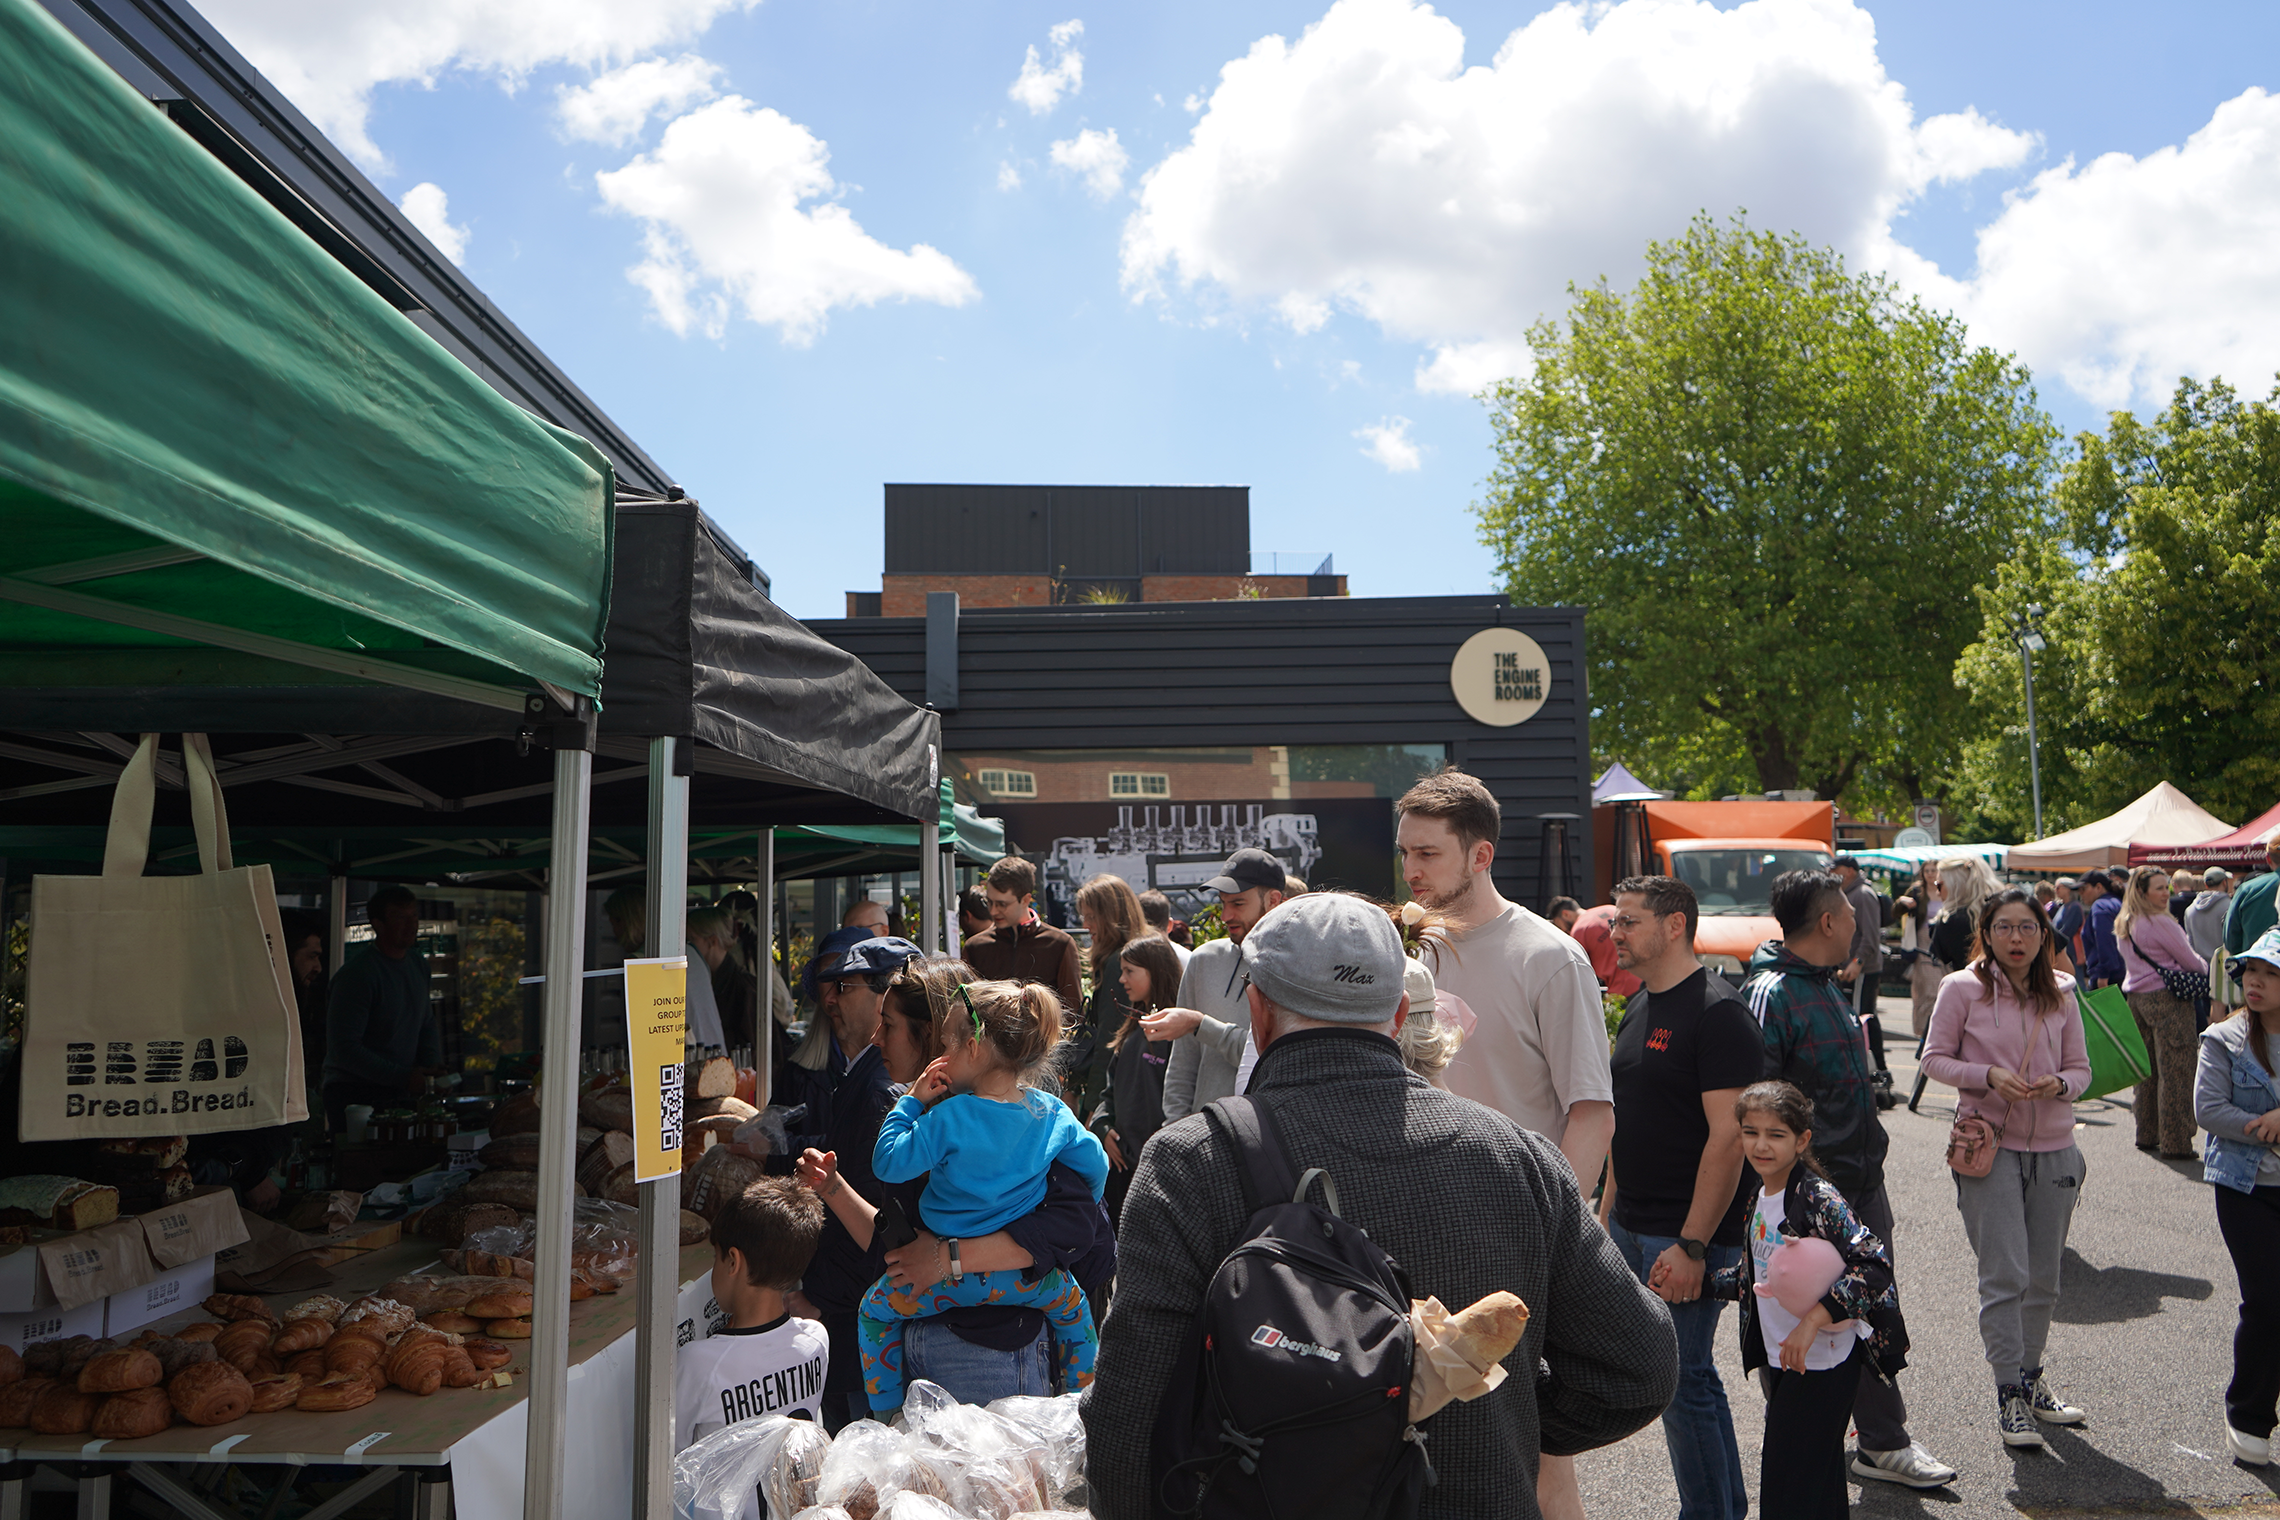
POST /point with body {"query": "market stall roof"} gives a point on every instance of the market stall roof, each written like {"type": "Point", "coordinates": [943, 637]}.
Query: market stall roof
{"type": "Point", "coordinates": [2163, 816]}
{"type": "Point", "coordinates": [213, 438]}
{"type": "Point", "coordinates": [1619, 785]}
{"type": "Point", "coordinates": [2241, 850]}
{"type": "Point", "coordinates": [1916, 857]}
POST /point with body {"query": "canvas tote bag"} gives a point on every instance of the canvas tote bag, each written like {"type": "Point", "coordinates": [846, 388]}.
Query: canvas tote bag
{"type": "Point", "coordinates": [159, 1005]}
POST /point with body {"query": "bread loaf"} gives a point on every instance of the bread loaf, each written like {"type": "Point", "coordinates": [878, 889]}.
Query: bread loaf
{"type": "Point", "coordinates": [611, 1108]}
{"type": "Point", "coordinates": [456, 1218]}
{"type": "Point", "coordinates": [504, 1304]}
{"type": "Point", "coordinates": [517, 1116]}
{"type": "Point", "coordinates": [11, 1366]}
{"type": "Point", "coordinates": [721, 1108]}
{"type": "Point", "coordinates": [712, 1078]}
{"type": "Point", "coordinates": [62, 1203]}
{"type": "Point", "coordinates": [508, 1329]}
{"type": "Point", "coordinates": [518, 1190]}
{"type": "Point", "coordinates": [212, 1393]}
{"type": "Point", "coordinates": [394, 1318]}
{"type": "Point", "coordinates": [694, 1228]}
{"type": "Point", "coordinates": [453, 1321]}
{"type": "Point", "coordinates": [132, 1415]}
{"type": "Point", "coordinates": [488, 1356]}
{"type": "Point", "coordinates": [622, 1187]}
{"type": "Point", "coordinates": [174, 1354]}
{"type": "Point", "coordinates": [324, 1306]}
{"type": "Point", "coordinates": [514, 1153]}
{"type": "Point", "coordinates": [239, 1306]}
{"type": "Point", "coordinates": [120, 1372]}
{"type": "Point", "coordinates": [150, 1155]}
{"type": "Point", "coordinates": [719, 1176]}
{"type": "Point", "coordinates": [17, 1399]}
{"type": "Point", "coordinates": [613, 1149]}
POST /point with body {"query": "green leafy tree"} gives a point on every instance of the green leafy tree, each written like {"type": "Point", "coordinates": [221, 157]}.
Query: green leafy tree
{"type": "Point", "coordinates": [1774, 484]}
{"type": "Point", "coordinates": [2163, 655]}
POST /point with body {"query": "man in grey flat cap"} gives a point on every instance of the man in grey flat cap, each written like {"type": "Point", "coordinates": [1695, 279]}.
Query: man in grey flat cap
{"type": "Point", "coordinates": [1463, 1198]}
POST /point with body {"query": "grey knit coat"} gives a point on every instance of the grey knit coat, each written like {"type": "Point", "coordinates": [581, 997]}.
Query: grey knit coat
{"type": "Point", "coordinates": [1463, 1198]}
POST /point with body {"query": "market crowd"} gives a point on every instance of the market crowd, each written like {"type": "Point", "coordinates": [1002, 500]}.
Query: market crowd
{"type": "Point", "coordinates": [1031, 1167]}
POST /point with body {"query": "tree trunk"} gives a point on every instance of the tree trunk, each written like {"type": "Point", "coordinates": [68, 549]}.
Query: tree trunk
{"type": "Point", "coordinates": [1777, 767]}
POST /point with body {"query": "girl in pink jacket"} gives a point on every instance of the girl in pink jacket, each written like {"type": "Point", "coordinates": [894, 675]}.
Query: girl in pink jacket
{"type": "Point", "coordinates": [2005, 1034]}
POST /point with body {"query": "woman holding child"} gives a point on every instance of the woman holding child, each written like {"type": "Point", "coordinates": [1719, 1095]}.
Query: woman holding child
{"type": "Point", "coordinates": [2006, 1036]}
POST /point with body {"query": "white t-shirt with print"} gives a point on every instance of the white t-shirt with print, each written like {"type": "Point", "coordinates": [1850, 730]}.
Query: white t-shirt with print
{"type": "Point", "coordinates": [1831, 1346]}
{"type": "Point", "coordinates": [734, 1375]}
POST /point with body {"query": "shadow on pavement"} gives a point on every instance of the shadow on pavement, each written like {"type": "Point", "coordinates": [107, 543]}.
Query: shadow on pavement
{"type": "Point", "coordinates": [2089, 1295]}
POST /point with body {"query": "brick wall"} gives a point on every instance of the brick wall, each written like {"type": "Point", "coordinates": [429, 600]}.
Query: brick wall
{"type": "Point", "coordinates": [905, 595]}
{"type": "Point", "coordinates": [1224, 588]}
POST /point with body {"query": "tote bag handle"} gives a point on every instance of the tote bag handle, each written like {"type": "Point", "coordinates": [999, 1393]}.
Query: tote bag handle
{"type": "Point", "coordinates": [126, 850]}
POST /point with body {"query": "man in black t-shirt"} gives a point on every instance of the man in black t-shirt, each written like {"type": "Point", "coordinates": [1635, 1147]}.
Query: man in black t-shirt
{"type": "Point", "coordinates": [1686, 1048]}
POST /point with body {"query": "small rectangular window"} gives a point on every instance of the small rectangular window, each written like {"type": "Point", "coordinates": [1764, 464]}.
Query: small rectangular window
{"type": "Point", "coordinates": [1139, 784]}
{"type": "Point", "coordinates": [1010, 783]}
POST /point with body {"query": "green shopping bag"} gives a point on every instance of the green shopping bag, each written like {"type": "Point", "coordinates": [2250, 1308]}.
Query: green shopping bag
{"type": "Point", "coordinates": [2117, 1050]}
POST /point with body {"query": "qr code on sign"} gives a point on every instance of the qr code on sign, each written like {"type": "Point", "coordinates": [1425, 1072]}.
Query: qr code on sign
{"type": "Point", "coordinates": [669, 1107]}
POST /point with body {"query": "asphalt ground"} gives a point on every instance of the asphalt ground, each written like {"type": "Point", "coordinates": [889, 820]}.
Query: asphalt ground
{"type": "Point", "coordinates": [2142, 1341]}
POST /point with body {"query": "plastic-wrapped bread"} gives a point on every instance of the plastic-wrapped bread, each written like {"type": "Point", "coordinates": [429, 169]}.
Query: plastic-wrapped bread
{"type": "Point", "coordinates": [1459, 1355]}
{"type": "Point", "coordinates": [132, 1415]}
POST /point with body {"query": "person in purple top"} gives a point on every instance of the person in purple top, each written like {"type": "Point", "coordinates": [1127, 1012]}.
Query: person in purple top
{"type": "Point", "coordinates": [2150, 942]}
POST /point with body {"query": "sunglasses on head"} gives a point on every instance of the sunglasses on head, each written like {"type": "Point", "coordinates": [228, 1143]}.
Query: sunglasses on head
{"type": "Point", "coordinates": [971, 1011]}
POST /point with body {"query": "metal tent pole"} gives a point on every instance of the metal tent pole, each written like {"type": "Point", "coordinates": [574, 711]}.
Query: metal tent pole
{"type": "Point", "coordinates": [764, 1030]}
{"type": "Point", "coordinates": [659, 1220]}
{"type": "Point", "coordinates": [336, 932]}
{"type": "Point", "coordinates": [543, 1498]}
{"type": "Point", "coordinates": [930, 885]}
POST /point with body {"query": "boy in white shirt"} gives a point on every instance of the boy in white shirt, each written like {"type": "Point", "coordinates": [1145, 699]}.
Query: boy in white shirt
{"type": "Point", "coordinates": [765, 1361]}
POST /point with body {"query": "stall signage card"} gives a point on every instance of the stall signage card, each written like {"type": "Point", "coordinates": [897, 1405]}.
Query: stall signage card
{"type": "Point", "coordinates": [656, 1039]}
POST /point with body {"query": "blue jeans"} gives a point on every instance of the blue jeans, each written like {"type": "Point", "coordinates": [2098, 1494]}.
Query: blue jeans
{"type": "Point", "coordinates": [1697, 1427]}
{"type": "Point", "coordinates": [974, 1374]}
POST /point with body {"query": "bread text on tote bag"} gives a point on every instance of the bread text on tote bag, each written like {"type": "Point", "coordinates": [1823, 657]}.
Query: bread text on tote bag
{"type": "Point", "coordinates": [159, 1005]}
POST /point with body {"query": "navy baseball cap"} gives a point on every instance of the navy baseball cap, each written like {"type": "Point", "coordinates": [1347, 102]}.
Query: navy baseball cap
{"type": "Point", "coordinates": [880, 955]}
{"type": "Point", "coordinates": [1246, 869]}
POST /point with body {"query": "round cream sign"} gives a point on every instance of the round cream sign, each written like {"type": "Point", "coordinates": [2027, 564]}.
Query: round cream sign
{"type": "Point", "coordinates": [1500, 676]}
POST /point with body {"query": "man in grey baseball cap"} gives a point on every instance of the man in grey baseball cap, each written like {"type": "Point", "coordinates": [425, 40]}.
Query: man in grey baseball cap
{"type": "Point", "coordinates": [1466, 1201]}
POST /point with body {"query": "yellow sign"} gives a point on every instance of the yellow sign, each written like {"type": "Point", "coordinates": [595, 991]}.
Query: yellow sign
{"type": "Point", "coordinates": [656, 1038]}
{"type": "Point", "coordinates": [1500, 677]}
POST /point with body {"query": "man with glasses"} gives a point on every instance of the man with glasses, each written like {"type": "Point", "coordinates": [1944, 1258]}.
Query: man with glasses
{"type": "Point", "coordinates": [1674, 1203]}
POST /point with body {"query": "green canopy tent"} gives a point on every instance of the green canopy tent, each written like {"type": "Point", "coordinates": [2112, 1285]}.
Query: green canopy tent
{"type": "Point", "coordinates": [239, 492]}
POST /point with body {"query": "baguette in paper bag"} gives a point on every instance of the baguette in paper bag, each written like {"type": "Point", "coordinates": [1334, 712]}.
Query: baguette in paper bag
{"type": "Point", "coordinates": [1458, 1355]}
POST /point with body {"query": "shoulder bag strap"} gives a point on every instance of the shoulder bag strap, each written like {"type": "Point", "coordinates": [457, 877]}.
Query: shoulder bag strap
{"type": "Point", "coordinates": [1263, 1165]}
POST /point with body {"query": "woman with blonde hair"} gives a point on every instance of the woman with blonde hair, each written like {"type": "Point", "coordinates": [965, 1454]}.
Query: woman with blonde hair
{"type": "Point", "coordinates": [2151, 942]}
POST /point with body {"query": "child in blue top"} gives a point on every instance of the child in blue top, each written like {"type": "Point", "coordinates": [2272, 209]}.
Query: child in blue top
{"type": "Point", "coordinates": [984, 1141]}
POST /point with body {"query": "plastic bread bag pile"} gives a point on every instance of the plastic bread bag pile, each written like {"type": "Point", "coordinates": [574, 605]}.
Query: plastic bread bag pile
{"type": "Point", "coordinates": [1017, 1458]}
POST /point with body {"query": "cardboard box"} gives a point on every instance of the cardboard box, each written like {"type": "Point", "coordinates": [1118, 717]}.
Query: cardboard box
{"type": "Point", "coordinates": [180, 1288]}
{"type": "Point", "coordinates": [21, 1330]}
{"type": "Point", "coordinates": [23, 1283]}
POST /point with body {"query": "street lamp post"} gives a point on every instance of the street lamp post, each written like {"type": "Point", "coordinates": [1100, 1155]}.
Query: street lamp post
{"type": "Point", "coordinates": [2026, 629]}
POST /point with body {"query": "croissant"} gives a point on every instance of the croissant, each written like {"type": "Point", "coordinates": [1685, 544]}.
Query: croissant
{"type": "Point", "coordinates": [132, 1415]}
{"type": "Point", "coordinates": [245, 1353]}
{"type": "Point", "coordinates": [211, 1393]}
{"type": "Point", "coordinates": [280, 1390]}
{"type": "Point", "coordinates": [236, 1306]}
{"type": "Point", "coordinates": [302, 1335]}
{"type": "Point", "coordinates": [120, 1372]}
{"type": "Point", "coordinates": [309, 1364]}
{"type": "Point", "coordinates": [352, 1354]}
{"type": "Point", "coordinates": [340, 1390]}
{"type": "Point", "coordinates": [508, 1329]}
{"type": "Point", "coordinates": [459, 1369]}
{"type": "Point", "coordinates": [416, 1366]}
{"type": "Point", "coordinates": [488, 1356]}
{"type": "Point", "coordinates": [204, 1330]}
{"type": "Point", "coordinates": [502, 1305]}
{"type": "Point", "coordinates": [17, 1399]}
{"type": "Point", "coordinates": [64, 1411]}
{"type": "Point", "coordinates": [11, 1366]}
{"type": "Point", "coordinates": [324, 1306]}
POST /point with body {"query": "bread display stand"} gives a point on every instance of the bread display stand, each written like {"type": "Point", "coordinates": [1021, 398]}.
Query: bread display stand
{"type": "Point", "coordinates": [459, 1452]}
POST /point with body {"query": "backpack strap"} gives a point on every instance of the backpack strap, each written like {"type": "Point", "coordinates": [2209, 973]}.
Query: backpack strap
{"type": "Point", "coordinates": [1263, 1163]}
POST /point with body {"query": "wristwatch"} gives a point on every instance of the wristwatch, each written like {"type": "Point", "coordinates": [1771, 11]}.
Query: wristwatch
{"type": "Point", "coordinates": [1695, 1250]}
{"type": "Point", "coordinates": [957, 1267]}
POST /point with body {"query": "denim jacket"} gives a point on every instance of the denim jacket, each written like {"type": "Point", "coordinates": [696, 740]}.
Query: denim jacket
{"type": "Point", "coordinates": [2232, 1084]}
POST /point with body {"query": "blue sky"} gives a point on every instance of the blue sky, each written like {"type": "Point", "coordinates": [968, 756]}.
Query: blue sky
{"type": "Point", "coordinates": [1344, 234]}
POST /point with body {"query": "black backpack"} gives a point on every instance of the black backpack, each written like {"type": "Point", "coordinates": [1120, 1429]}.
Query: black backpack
{"type": "Point", "coordinates": [1292, 1397]}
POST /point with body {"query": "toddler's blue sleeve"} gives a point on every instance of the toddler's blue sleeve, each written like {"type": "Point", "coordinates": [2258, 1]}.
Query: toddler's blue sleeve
{"type": "Point", "coordinates": [911, 1141]}
{"type": "Point", "coordinates": [1081, 1153]}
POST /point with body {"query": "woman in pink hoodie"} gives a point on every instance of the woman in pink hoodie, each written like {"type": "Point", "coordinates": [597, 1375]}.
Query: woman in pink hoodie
{"type": "Point", "coordinates": [2006, 1036]}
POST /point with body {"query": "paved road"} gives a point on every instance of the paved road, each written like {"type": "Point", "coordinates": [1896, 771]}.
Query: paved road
{"type": "Point", "coordinates": [2143, 1341]}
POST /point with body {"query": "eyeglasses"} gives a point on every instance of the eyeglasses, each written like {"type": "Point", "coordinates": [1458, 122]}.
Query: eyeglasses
{"type": "Point", "coordinates": [971, 1011]}
{"type": "Point", "coordinates": [2007, 929]}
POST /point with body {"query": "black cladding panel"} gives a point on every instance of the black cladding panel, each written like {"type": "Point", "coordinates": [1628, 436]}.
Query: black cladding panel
{"type": "Point", "coordinates": [1075, 532]}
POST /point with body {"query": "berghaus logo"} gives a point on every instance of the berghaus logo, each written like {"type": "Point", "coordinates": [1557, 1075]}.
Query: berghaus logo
{"type": "Point", "coordinates": [1275, 1340]}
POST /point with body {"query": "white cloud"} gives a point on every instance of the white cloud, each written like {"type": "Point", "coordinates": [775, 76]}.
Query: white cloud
{"type": "Point", "coordinates": [2128, 272]}
{"type": "Point", "coordinates": [613, 108]}
{"type": "Point", "coordinates": [428, 208]}
{"type": "Point", "coordinates": [739, 220]}
{"type": "Point", "coordinates": [1389, 443]}
{"type": "Point", "coordinates": [1009, 178]}
{"type": "Point", "coordinates": [1363, 168]}
{"type": "Point", "coordinates": [1096, 157]}
{"type": "Point", "coordinates": [329, 57]}
{"type": "Point", "coordinates": [1040, 85]}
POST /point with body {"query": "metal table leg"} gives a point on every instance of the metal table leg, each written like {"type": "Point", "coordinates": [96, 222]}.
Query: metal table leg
{"type": "Point", "coordinates": [432, 1500]}
{"type": "Point", "coordinates": [94, 1481]}
{"type": "Point", "coordinates": [13, 1477]}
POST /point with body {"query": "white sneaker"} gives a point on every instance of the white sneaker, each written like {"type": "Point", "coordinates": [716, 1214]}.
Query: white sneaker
{"type": "Point", "coordinates": [1911, 1465]}
{"type": "Point", "coordinates": [2049, 1408]}
{"type": "Point", "coordinates": [2248, 1450]}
